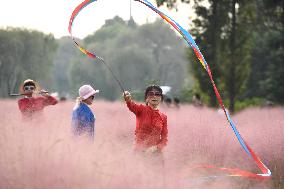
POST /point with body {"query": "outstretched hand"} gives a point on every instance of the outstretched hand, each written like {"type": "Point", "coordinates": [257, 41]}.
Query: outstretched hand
{"type": "Point", "coordinates": [44, 93]}
{"type": "Point", "coordinates": [127, 96]}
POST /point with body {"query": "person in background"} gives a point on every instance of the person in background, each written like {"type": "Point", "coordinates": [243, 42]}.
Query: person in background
{"type": "Point", "coordinates": [196, 100]}
{"type": "Point", "coordinates": [32, 106]}
{"type": "Point", "coordinates": [168, 101]}
{"type": "Point", "coordinates": [151, 133]}
{"type": "Point", "coordinates": [176, 102]}
{"type": "Point", "coordinates": [83, 119]}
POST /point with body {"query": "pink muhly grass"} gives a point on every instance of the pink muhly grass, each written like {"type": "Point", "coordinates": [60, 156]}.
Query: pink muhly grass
{"type": "Point", "coordinates": [46, 155]}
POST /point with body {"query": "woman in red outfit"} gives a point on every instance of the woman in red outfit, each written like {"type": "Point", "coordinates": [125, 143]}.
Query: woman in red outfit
{"type": "Point", "coordinates": [151, 133]}
{"type": "Point", "coordinates": [31, 105]}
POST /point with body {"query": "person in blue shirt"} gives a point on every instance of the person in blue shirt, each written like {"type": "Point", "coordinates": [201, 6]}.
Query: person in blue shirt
{"type": "Point", "coordinates": [83, 119]}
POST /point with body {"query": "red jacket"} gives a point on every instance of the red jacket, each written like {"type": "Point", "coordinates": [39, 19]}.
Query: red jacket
{"type": "Point", "coordinates": [29, 106]}
{"type": "Point", "coordinates": [151, 126]}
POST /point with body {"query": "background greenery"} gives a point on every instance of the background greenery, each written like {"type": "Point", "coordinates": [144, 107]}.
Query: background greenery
{"type": "Point", "coordinates": [242, 42]}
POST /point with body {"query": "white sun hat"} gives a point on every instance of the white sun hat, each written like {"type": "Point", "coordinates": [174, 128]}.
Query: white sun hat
{"type": "Point", "coordinates": [86, 91]}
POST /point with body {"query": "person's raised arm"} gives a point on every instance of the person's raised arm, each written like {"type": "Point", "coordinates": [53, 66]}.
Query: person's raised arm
{"type": "Point", "coordinates": [49, 100]}
{"type": "Point", "coordinates": [132, 106]}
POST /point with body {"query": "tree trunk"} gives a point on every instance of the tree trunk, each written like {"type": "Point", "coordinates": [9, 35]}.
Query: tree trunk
{"type": "Point", "coordinates": [215, 35]}
{"type": "Point", "coordinates": [232, 70]}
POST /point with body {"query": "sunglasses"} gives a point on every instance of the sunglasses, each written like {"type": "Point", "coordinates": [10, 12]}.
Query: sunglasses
{"type": "Point", "coordinates": [29, 88]}
{"type": "Point", "coordinates": [92, 97]}
{"type": "Point", "coordinates": [152, 93]}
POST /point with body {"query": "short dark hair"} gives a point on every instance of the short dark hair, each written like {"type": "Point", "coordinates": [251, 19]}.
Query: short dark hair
{"type": "Point", "coordinates": [168, 100]}
{"type": "Point", "coordinates": [151, 88]}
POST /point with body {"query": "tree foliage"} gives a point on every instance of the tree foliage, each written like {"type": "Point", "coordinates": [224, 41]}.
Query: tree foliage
{"type": "Point", "coordinates": [267, 78]}
{"type": "Point", "coordinates": [136, 55]}
{"type": "Point", "coordinates": [242, 42]}
{"type": "Point", "coordinates": [24, 54]}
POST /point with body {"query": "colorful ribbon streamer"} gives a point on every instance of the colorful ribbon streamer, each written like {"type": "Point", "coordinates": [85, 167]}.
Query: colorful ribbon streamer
{"type": "Point", "coordinates": [266, 173]}
{"type": "Point", "coordinates": [83, 50]}
{"type": "Point", "coordinates": [72, 18]}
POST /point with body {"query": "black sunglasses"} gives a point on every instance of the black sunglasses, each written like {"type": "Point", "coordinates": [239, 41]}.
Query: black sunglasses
{"type": "Point", "coordinates": [152, 93]}
{"type": "Point", "coordinates": [29, 88]}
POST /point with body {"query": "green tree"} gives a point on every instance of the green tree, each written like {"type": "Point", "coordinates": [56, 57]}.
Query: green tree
{"type": "Point", "coordinates": [12, 49]}
{"type": "Point", "coordinates": [238, 49]}
{"type": "Point", "coordinates": [267, 75]}
{"type": "Point", "coordinates": [24, 54]}
{"type": "Point", "coordinates": [65, 55]}
{"type": "Point", "coordinates": [222, 30]}
{"type": "Point", "coordinates": [208, 32]}
{"type": "Point", "coordinates": [136, 55]}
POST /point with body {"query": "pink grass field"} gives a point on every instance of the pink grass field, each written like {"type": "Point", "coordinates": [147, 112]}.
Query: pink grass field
{"type": "Point", "coordinates": [43, 154]}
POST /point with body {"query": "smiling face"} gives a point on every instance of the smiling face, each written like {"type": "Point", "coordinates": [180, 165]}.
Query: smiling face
{"type": "Point", "coordinates": [29, 89]}
{"type": "Point", "coordinates": [153, 98]}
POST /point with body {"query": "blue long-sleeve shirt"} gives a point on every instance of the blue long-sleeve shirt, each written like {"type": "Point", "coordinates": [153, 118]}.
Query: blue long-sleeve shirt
{"type": "Point", "coordinates": [83, 121]}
